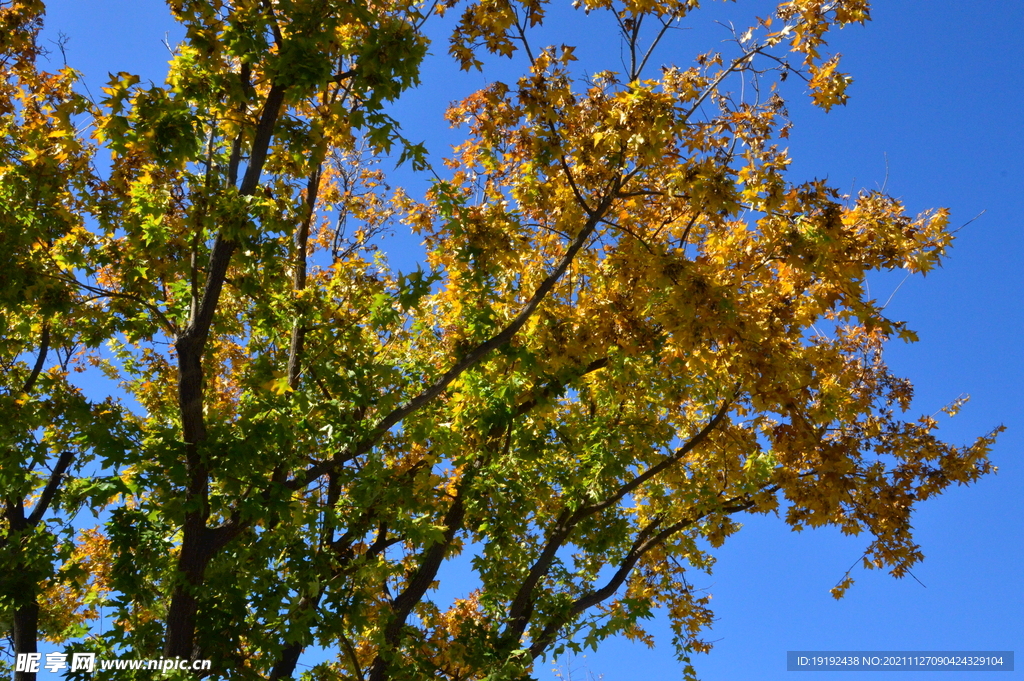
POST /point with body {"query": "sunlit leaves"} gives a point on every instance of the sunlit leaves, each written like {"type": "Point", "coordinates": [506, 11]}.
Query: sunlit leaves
{"type": "Point", "coordinates": [630, 326]}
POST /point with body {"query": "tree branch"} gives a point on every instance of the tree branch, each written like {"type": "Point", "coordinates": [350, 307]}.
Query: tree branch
{"type": "Point", "coordinates": [261, 141]}
{"type": "Point", "coordinates": [550, 389]}
{"type": "Point", "coordinates": [44, 349]}
{"type": "Point", "coordinates": [713, 86]}
{"type": "Point", "coordinates": [522, 604]}
{"type": "Point", "coordinates": [665, 25]}
{"type": "Point", "coordinates": [344, 75]}
{"type": "Point", "coordinates": [61, 467]}
{"type": "Point", "coordinates": [300, 242]}
{"type": "Point", "coordinates": [521, 607]}
{"type": "Point", "coordinates": [643, 544]}
{"type": "Point", "coordinates": [473, 357]}
{"type": "Point", "coordinates": [421, 579]}
{"type": "Point", "coordinates": [200, 543]}
{"type": "Point", "coordinates": [666, 462]}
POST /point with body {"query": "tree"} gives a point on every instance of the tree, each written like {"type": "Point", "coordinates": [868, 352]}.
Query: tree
{"type": "Point", "coordinates": [628, 328]}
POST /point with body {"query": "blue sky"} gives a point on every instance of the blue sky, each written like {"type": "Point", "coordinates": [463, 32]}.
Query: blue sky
{"type": "Point", "coordinates": [936, 114]}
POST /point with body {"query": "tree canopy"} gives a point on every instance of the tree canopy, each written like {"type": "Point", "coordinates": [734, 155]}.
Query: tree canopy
{"type": "Point", "coordinates": [627, 330]}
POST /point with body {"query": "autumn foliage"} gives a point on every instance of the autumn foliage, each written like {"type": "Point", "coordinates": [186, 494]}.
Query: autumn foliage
{"type": "Point", "coordinates": [628, 330]}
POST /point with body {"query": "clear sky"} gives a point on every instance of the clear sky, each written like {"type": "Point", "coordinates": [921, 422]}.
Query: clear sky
{"type": "Point", "coordinates": [936, 114]}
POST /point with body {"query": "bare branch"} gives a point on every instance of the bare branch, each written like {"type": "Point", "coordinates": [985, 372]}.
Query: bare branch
{"type": "Point", "coordinates": [665, 25]}
{"type": "Point", "coordinates": [736, 65]}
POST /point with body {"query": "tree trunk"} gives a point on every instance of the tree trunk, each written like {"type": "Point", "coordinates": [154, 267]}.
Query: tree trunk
{"type": "Point", "coordinates": [26, 633]}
